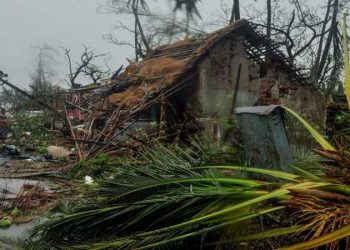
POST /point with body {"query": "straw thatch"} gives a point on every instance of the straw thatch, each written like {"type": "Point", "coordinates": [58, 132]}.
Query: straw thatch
{"type": "Point", "coordinates": [171, 65]}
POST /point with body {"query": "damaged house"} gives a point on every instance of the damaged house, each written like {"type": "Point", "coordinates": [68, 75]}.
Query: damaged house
{"type": "Point", "coordinates": [198, 83]}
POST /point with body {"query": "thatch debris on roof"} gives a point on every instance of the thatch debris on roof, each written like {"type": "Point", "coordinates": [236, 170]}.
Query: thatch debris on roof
{"type": "Point", "coordinates": [148, 76]}
{"type": "Point", "coordinates": [164, 66]}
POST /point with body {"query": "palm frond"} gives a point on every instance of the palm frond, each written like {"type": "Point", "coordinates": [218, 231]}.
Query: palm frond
{"type": "Point", "coordinates": [346, 60]}
{"type": "Point", "coordinates": [269, 172]}
{"type": "Point", "coordinates": [314, 133]}
{"type": "Point", "coordinates": [336, 235]}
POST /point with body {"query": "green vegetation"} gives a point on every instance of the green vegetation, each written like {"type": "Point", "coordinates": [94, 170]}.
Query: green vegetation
{"type": "Point", "coordinates": [314, 133]}
{"type": "Point", "coordinates": [41, 150]}
{"type": "Point", "coordinates": [101, 167]}
{"type": "Point", "coordinates": [26, 129]}
{"type": "Point", "coordinates": [200, 196]}
{"type": "Point", "coordinates": [5, 223]}
{"type": "Point", "coordinates": [171, 196]}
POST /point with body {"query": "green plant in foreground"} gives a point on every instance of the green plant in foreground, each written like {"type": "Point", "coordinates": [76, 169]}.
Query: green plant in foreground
{"type": "Point", "coordinates": [41, 150]}
{"type": "Point", "coordinates": [174, 200]}
{"type": "Point", "coordinates": [95, 167]}
{"type": "Point", "coordinates": [314, 133]}
{"type": "Point", "coordinates": [26, 129]}
{"type": "Point", "coordinates": [168, 197]}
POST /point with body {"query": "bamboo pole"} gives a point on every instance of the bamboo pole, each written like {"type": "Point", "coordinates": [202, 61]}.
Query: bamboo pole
{"type": "Point", "coordinates": [73, 134]}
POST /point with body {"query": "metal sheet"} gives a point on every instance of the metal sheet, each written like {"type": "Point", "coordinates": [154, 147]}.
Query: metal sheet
{"type": "Point", "coordinates": [258, 110]}
{"type": "Point", "coordinates": [264, 137]}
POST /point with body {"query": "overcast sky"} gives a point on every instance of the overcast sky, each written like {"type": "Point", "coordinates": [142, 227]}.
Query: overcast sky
{"type": "Point", "coordinates": [28, 23]}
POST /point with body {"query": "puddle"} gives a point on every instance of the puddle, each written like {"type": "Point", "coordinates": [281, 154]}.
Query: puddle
{"type": "Point", "coordinates": [9, 188]}
{"type": "Point", "coordinates": [18, 230]}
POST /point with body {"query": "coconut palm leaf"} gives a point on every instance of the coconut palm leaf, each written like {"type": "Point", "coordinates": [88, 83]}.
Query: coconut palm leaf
{"type": "Point", "coordinates": [269, 172]}
{"type": "Point", "coordinates": [323, 240]}
{"type": "Point", "coordinates": [306, 174]}
{"type": "Point", "coordinates": [346, 60]}
{"type": "Point", "coordinates": [171, 200]}
{"type": "Point", "coordinates": [146, 245]}
{"type": "Point", "coordinates": [8, 243]}
{"type": "Point", "coordinates": [141, 190]}
{"type": "Point", "coordinates": [169, 197]}
{"type": "Point", "coordinates": [273, 233]}
{"type": "Point", "coordinates": [199, 210]}
{"type": "Point", "coordinates": [314, 133]}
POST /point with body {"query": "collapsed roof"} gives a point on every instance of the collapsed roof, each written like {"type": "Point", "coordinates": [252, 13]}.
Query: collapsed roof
{"type": "Point", "coordinates": [167, 68]}
{"type": "Point", "coordinates": [163, 72]}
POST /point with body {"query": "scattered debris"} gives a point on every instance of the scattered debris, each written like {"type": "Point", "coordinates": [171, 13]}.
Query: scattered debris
{"type": "Point", "coordinates": [88, 180]}
{"type": "Point", "coordinates": [10, 150]}
{"type": "Point", "coordinates": [22, 200]}
{"type": "Point", "coordinates": [58, 152]}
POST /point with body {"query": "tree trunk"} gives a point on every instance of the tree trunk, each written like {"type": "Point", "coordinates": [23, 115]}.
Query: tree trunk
{"type": "Point", "coordinates": [139, 25]}
{"type": "Point", "coordinates": [332, 32]}
{"type": "Point", "coordinates": [320, 46]}
{"type": "Point", "coordinates": [235, 14]}
{"type": "Point", "coordinates": [269, 17]}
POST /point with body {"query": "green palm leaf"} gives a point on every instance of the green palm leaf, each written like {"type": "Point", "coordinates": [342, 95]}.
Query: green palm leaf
{"type": "Point", "coordinates": [323, 240]}
{"type": "Point", "coordinates": [314, 133]}
{"type": "Point", "coordinates": [269, 172]}
{"type": "Point", "coordinates": [116, 243]}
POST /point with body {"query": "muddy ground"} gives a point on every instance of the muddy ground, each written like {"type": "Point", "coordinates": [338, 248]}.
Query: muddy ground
{"type": "Point", "coordinates": [30, 184]}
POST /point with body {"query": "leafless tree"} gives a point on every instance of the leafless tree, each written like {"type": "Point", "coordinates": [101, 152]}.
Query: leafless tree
{"type": "Point", "coordinates": [138, 9]}
{"type": "Point", "coordinates": [95, 73]}
{"type": "Point", "coordinates": [309, 35]}
{"type": "Point", "coordinates": [84, 66]}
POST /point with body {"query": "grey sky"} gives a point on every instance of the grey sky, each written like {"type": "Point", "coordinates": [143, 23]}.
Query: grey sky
{"type": "Point", "coordinates": [25, 24]}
